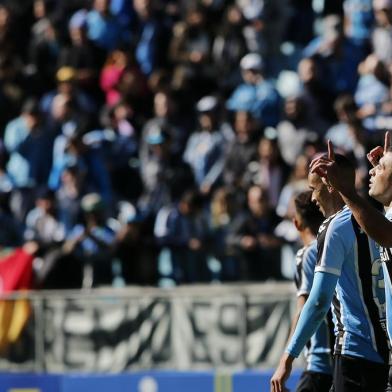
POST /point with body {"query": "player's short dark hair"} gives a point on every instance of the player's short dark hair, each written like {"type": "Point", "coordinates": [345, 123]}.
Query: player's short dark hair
{"type": "Point", "coordinates": [308, 211]}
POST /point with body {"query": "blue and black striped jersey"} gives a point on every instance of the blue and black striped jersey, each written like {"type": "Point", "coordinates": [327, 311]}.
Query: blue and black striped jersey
{"type": "Point", "coordinates": [359, 302]}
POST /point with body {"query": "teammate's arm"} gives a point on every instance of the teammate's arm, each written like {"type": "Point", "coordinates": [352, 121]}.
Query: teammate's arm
{"type": "Point", "coordinates": [313, 313]}
{"type": "Point", "coordinates": [301, 300]}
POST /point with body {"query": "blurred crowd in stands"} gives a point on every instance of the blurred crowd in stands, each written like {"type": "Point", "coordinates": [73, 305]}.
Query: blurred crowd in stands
{"type": "Point", "coordinates": [160, 142]}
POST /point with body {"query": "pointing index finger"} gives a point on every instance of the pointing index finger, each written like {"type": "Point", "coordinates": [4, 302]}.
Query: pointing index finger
{"type": "Point", "coordinates": [331, 153]}
{"type": "Point", "coordinates": [387, 141]}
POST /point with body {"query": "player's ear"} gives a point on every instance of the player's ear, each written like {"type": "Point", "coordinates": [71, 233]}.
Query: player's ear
{"type": "Point", "coordinates": [297, 224]}
{"type": "Point", "coordinates": [330, 189]}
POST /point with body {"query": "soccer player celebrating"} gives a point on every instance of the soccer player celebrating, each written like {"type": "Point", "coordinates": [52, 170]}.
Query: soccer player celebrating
{"type": "Point", "coordinates": [347, 266]}
{"type": "Point", "coordinates": [318, 374]}
{"type": "Point", "coordinates": [375, 224]}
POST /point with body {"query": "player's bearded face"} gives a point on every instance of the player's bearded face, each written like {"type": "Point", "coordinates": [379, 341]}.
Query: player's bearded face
{"type": "Point", "coordinates": [380, 186]}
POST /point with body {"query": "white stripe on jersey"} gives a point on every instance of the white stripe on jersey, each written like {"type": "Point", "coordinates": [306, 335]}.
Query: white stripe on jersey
{"type": "Point", "coordinates": [359, 283]}
{"type": "Point", "coordinates": [321, 265]}
{"type": "Point", "coordinates": [341, 321]}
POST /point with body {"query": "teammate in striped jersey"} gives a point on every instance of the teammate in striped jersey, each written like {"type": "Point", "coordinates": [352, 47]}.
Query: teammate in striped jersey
{"type": "Point", "coordinates": [318, 374]}
{"type": "Point", "coordinates": [375, 224]}
{"type": "Point", "coordinates": [348, 266]}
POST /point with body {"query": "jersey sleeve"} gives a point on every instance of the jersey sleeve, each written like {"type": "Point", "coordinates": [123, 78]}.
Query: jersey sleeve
{"type": "Point", "coordinates": [332, 253]}
{"type": "Point", "coordinates": [307, 270]}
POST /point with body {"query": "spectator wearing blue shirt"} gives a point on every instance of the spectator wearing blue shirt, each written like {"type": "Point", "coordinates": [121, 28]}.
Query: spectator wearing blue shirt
{"type": "Point", "coordinates": [256, 95]}
{"type": "Point", "coordinates": [74, 149]}
{"type": "Point", "coordinates": [151, 47]}
{"type": "Point", "coordinates": [102, 27]}
{"type": "Point", "coordinates": [29, 146]}
{"type": "Point", "coordinates": [337, 55]}
{"type": "Point", "coordinates": [206, 148]}
{"type": "Point", "coordinates": [372, 93]}
{"type": "Point", "coordinates": [182, 229]}
{"type": "Point", "coordinates": [359, 18]}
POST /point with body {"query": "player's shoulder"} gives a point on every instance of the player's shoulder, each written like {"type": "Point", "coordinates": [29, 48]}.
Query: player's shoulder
{"type": "Point", "coordinates": [339, 225]}
{"type": "Point", "coordinates": [342, 221]}
{"type": "Point", "coordinates": [300, 254]}
{"type": "Point", "coordinates": [310, 253]}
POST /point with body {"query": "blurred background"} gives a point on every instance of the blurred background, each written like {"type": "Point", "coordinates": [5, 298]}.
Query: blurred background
{"type": "Point", "coordinates": [149, 155]}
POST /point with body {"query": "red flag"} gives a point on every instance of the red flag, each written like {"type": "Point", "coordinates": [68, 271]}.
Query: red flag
{"type": "Point", "coordinates": [16, 271]}
{"type": "Point", "coordinates": [15, 274]}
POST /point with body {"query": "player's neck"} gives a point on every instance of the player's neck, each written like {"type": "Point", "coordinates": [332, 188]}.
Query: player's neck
{"type": "Point", "coordinates": [307, 237]}
{"type": "Point", "coordinates": [335, 206]}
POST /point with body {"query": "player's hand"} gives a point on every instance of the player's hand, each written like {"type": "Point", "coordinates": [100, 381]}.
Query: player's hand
{"type": "Point", "coordinates": [281, 374]}
{"type": "Point", "coordinates": [375, 155]}
{"type": "Point", "coordinates": [330, 173]}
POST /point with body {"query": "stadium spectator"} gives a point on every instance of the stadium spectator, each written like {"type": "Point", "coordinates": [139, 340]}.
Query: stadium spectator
{"type": "Point", "coordinates": [92, 243]}
{"type": "Point", "coordinates": [42, 224]}
{"type": "Point", "coordinates": [29, 146]}
{"type": "Point", "coordinates": [295, 129]}
{"type": "Point", "coordinates": [337, 55]}
{"type": "Point", "coordinates": [165, 176]}
{"type": "Point", "coordinates": [69, 195]}
{"type": "Point", "coordinates": [135, 248]}
{"type": "Point", "coordinates": [151, 49]}
{"type": "Point", "coordinates": [242, 150]}
{"type": "Point", "coordinates": [223, 209]}
{"type": "Point", "coordinates": [252, 237]}
{"type": "Point", "coordinates": [81, 54]}
{"type": "Point", "coordinates": [44, 50]}
{"type": "Point", "coordinates": [382, 34]}
{"type": "Point", "coordinates": [256, 95]}
{"type": "Point", "coordinates": [228, 48]}
{"type": "Point", "coordinates": [190, 51]}
{"type": "Point", "coordinates": [206, 147]}
{"type": "Point", "coordinates": [183, 229]}
{"type": "Point", "coordinates": [102, 26]}
{"type": "Point", "coordinates": [268, 171]}
{"type": "Point", "coordinates": [166, 115]}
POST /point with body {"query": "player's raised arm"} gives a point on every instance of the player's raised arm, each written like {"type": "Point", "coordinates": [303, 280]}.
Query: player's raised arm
{"type": "Point", "coordinates": [372, 221]}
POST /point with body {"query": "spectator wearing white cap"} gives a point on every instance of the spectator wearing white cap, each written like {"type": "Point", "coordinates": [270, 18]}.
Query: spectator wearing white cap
{"type": "Point", "coordinates": [206, 148]}
{"type": "Point", "coordinates": [256, 95]}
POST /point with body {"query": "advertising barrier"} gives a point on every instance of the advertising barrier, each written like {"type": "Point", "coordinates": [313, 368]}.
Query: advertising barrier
{"type": "Point", "coordinates": [154, 381]}
{"type": "Point", "coordinates": [221, 327]}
